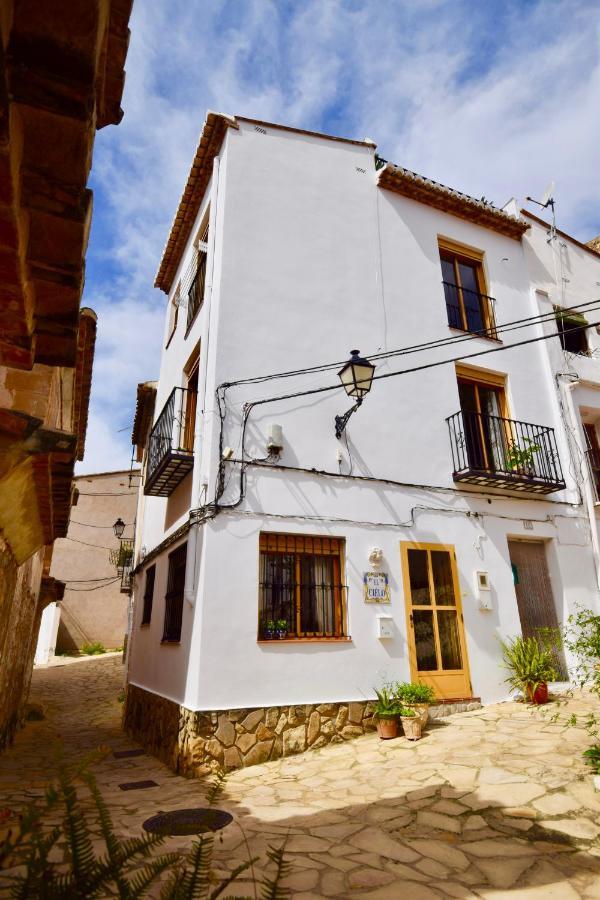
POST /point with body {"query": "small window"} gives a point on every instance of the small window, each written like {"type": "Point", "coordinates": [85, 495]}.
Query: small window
{"type": "Point", "coordinates": [467, 305]}
{"type": "Point", "coordinates": [572, 331]}
{"type": "Point", "coordinates": [173, 316]}
{"type": "Point", "coordinates": [148, 595]}
{"type": "Point", "coordinates": [301, 591]}
{"type": "Point", "coordinates": [196, 288]}
{"type": "Point", "coordinates": [174, 595]}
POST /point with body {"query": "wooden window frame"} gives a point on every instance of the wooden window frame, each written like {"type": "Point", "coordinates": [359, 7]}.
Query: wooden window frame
{"type": "Point", "coordinates": [308, 545]}
{"type": "Point", "coordinates": [148, 595]}
{"type": "Point", "coordinates": [456, 253]}
{"type": "Point", "coordinates": [174, 598]}
{"type": "Point", "coordinates": [191, 368]}
{"type": "Point", "coordinates": [202, 237]}
{"type": "Point", "coordinates": [485, 379]}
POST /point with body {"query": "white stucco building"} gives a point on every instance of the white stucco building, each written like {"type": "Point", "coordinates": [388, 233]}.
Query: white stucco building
{"type": "Point", "coordinates": [288, 249]}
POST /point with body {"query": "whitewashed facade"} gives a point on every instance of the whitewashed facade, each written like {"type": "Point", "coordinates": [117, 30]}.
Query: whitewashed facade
{"type": "Point", "coordinates": [307, 256]}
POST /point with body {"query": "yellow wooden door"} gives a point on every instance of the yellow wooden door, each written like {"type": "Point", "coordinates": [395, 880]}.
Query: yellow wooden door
{"type": "Point", "coordinates": [436, 638]}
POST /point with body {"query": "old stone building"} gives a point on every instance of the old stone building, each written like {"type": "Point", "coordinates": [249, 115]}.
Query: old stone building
{"type": "Point", "coordinates": [61, 78]}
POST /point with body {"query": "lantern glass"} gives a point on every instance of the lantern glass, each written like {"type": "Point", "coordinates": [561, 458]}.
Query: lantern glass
{"type": "Point", "coordinates": [119, 527]}
{"type": "Point", "coordinates": [357, 376]}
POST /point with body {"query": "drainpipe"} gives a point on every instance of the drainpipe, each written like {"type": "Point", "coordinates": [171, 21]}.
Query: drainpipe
{"type": "Point", "coordinates": [589, 497]}
{"type": "Point", "coordinates": [198, 488]}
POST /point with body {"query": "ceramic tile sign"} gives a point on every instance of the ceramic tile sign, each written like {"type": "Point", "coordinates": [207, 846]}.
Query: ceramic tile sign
{"type": "Point", "coordinates": [377, 588]}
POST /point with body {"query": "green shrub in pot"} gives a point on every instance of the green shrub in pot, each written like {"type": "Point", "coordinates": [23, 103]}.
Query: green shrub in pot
{"type": "Point", "coordinates": [416, 695]}
{"type": "Point", "coordinates": [411, 722]}
{"type": "Point", "coordinates": [531, 665]}
{"type": "Point", "coordinates": [387, 710]}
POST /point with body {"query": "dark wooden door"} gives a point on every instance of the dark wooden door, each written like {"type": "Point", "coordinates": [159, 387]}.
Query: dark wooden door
{"type": "Point", "coordinates": [533, 588]}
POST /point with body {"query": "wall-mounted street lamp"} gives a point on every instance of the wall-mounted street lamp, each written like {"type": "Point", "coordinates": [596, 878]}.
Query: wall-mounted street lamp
{"type": "Point", "coordinates": [357, 377]}
{"type": "Point", "coordinates": [119, 528]}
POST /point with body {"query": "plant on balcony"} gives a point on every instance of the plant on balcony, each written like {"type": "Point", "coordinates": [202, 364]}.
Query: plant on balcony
{"type": "Point", "coordinates": [386, 709]}
{"type": "Point", "coordinates": [521, 459]}
{"type": "Point", "coordinates": [269, 629]}
{"type": "Point", "coordinates": [411, 723]}
{"type": "Point", "coordinates": [122, 558]}
{"type": "Point", "coordinates": [281, 628]}
{"type": "Point", "coordinates": [415, 695]}
{"type": "Point", "coordinates": [532, 666]}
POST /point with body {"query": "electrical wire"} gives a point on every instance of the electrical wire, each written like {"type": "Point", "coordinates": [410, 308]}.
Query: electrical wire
{"type": "Point", "coordinates": [87, 544]}
{"type": "Point", "coordinates": [92, 525]}
{"type": "Point", "coordinates": [539, 318]}
{"type": "Point", "coordinates": [97, 588]}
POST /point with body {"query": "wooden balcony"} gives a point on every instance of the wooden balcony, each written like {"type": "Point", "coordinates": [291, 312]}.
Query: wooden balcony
{"type": "Point", "coordinates": [171, 444]}
{"type": "Point", "coordinates": [492, 451]}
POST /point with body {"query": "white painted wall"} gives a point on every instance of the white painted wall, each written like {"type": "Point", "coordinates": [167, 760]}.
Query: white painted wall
{"type": "Point", "coordinates": [310, 260]}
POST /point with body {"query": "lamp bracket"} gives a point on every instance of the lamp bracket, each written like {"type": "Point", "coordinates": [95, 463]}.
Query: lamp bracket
{"type": "Point", "coordinates": [342, 421]}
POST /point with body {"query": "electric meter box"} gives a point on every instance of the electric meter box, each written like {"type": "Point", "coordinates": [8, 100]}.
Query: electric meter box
{"type": "Point", "coordinates": [483, 590]}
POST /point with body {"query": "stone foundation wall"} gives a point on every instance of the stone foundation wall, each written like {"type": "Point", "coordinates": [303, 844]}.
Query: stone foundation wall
{"type": "Point", "coordinates": [196, 743]}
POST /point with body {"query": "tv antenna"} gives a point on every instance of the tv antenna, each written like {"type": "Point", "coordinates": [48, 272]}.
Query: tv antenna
{"type": "Point", "coordinates": [547, 201]}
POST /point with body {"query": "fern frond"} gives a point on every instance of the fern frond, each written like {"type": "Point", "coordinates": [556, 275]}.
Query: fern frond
{"type": "Point", "coordinates": [196, 879]}
{"type": "Point", "coordinates": [217, 787]}
{"type": "Point", "coordinates": [77, 834]}
{"type": "Point", "coordinates": [113, 864]}
{"type": "Point", "coordinates": [271, 888]}
{"type": "Point", "coordinates": [243, 867]}
{"type": "Point", "coordinates": [151, 871]}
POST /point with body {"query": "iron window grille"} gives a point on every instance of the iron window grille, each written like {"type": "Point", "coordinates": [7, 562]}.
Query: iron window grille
{"type": "Point", "coordinates": [301, 594]}
{"type": "Point", "coordinates": [572, 328]}
{"type": "Point", "coordinates": [148, 595]}
{"type": "Point", "coordinates": [174, 595]}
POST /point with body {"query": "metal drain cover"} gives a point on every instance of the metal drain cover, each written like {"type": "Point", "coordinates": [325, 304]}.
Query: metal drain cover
{"type": "Point", "coordinates": [188, 821]}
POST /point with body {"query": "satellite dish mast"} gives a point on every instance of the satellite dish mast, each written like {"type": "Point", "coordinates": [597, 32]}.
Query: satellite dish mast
{"type": "Point", "coordinates": [547, 201]}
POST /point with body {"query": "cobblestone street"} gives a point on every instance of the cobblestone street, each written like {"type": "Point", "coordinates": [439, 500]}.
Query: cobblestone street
{"type": "Point", "coordinates": [494, 803]}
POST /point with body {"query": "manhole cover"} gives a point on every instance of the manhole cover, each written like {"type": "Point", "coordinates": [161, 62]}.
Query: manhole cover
{"type": "Point", "coordinates": [188, 821]}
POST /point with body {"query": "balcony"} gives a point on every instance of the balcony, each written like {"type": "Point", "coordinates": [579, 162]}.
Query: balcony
{"type": "Point", "coordinates": [491, 451]}
{"type": "Point", "coordinates": [171, 444]}
{"type": "Point", "coordinates": [470, 311]}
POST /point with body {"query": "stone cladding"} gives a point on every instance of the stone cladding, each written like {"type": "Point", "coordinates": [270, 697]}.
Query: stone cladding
{"type": "Point", "coordinates": [197, 743]}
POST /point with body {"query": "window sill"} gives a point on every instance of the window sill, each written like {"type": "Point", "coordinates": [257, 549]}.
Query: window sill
{"type": "Point", "coordinates": [144, 624]}
{"type": "Point", "coordinates": [305, 640]}
{"type": "Point", "coordinates": [170, 642]}
{"type": "Point", "coordinates": [484, 337]}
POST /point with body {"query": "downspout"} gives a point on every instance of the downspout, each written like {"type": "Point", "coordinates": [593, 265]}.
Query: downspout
{"type": "Point", "coordinates": [198, 488]}
{"type": "Point", "coordinates": [589, 500]}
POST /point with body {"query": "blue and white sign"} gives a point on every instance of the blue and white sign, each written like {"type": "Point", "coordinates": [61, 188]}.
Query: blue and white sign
{"type": "Point", "coordinates": [377, 588]}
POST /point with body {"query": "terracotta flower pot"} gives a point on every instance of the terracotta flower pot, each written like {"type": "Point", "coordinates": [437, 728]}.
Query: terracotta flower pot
{"type": "Point", "coordinates": [422, 711]}
{"type": "Point", "coordinates": [540, 695]}
{"type": "Point", "coordinates": [411, 725]}
{"type": "Point", "coordinates": [387, 728]}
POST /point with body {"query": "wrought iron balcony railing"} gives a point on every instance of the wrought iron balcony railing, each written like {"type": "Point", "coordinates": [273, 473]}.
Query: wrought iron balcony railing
{"type": "Point", "coordinates": [196, 291]}
{"type": "Point", "coordinates": [470, 310]}
{"type": "Point", "coordinates": [593, 461]}
{"type": "Point", "coordinates": [498, 452]}
{"type": "Point", "coordinates": [171, 444]}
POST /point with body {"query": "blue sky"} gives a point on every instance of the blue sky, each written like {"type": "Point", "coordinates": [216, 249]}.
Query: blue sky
{"type": "Point", "coordinates": [493, 98]}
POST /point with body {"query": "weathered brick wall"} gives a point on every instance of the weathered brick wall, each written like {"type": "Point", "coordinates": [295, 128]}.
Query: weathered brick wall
{"type": "Point", "coordinates": [196, 743]}
{"type": "Point", "coordinates": [19, 625]}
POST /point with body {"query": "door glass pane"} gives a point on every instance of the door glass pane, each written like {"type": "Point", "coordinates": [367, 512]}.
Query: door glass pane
{"type": "Point", "coordinates": [419, 581]}
{"type": "Point", "coordinates": [451, 294]}
{"type": "Point", "coordinates": [449, 641]}
{"type": "Point", "coordinates": [316, 594]}
{"type": "Point", "coordinates": [424, 640]}
{"type": "Point", "coordinates": [442, 578]}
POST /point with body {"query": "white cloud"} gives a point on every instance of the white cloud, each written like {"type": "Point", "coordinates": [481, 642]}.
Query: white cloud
{"type": "Point", "coordinates": [493, 98]}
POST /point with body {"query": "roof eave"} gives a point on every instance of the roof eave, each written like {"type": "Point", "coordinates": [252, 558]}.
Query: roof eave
{"type": "Point", "coordinates": [431, 193]}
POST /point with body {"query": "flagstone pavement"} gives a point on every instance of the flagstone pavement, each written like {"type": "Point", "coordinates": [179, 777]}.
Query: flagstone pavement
{"type": "Point", "coordinates": [490, 804]}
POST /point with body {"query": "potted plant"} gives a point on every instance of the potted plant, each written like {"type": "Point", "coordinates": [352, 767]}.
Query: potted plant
{"type": "Point", "coordinates": [281, 629]}
{"type": "Point", "coordinates": [270, 629]}
{"type": "Point", "coordinates": [386, 713]}
{"type": "Point", "coordinates": [531, 666]}
{"type": "Point", "coordinates": [411, 723]}
{"type": "Point", "coordinates": [521, 458]}
{"type": "Point", "coordinates": [415, 695]}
